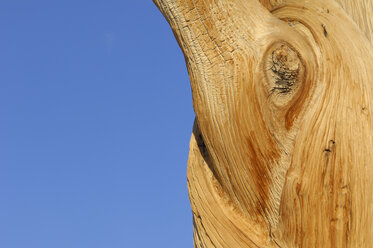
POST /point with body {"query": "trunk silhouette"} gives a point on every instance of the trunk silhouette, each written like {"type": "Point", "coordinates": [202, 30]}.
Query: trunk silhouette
{"type": "Point", "coordinates": [281, 153]}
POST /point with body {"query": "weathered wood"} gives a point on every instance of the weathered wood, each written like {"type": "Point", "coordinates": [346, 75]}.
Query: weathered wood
{"type": "Point", "coordinates": [282, 149]}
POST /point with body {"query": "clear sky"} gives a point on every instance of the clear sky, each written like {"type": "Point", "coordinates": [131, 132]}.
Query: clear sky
{"type": "Point", "coordinates": [96, 116]}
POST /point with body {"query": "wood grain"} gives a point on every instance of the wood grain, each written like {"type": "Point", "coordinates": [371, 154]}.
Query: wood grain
{"type": "Point", "coordinates": [282, 149]}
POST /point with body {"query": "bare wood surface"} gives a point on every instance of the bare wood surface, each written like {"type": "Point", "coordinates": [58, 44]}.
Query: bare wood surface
{"type": "Point", "coordinates": [282, 149]}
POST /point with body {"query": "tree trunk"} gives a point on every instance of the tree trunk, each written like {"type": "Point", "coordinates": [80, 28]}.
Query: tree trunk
{"type": "Point", "coordinates": [282, 148]}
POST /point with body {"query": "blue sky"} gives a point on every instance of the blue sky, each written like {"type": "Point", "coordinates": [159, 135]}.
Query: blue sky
{"type": "Point", "coordinates": [96, 116]}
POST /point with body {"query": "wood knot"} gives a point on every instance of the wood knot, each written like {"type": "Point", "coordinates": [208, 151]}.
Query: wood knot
{"type": "Point", "coordinates": [284, 70]}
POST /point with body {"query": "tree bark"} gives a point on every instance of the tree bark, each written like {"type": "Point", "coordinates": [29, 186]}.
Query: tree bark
{"type": "Point", "coordinates": [282, 148]}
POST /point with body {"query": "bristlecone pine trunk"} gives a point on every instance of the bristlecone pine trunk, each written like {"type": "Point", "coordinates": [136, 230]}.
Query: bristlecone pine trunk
{"type": "Point", "coordinates": [282, 148]}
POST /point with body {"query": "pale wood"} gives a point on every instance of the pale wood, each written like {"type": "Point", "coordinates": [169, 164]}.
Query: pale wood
{"type": "Point", "coordinates": [282, 149]}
